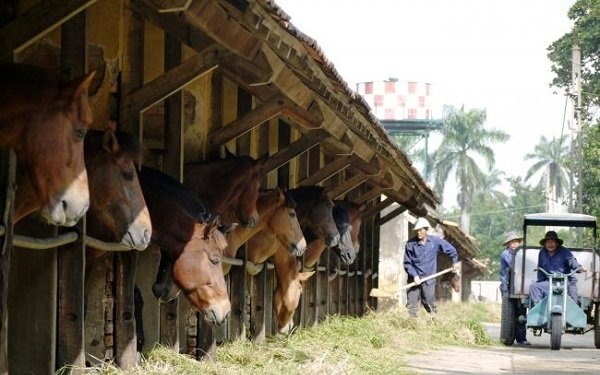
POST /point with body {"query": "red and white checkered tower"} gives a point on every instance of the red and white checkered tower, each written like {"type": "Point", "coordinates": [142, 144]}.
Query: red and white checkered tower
{"type": "Point", "coordinates": [397, 100]}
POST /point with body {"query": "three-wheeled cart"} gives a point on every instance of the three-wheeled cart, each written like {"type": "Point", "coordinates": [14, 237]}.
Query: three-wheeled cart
{"type": "Point", "coordinates": [557, 313]}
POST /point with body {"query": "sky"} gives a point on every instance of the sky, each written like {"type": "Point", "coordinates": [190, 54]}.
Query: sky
{"type": "Point", "coordinates": [485, 54]}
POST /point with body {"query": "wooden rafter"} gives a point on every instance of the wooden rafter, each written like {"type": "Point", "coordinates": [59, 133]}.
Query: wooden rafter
{"type": "Point", "coordinates": [327, 171]}
{"type": "Point", "coordinates": [347, 185]}
{"type": "Point", "coordinates": [37, 22]}
{"type": "Point", "coordinates": [303, 144]}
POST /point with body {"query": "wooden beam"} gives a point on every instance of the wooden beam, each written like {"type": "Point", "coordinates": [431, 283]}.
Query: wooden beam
{"type": "Point", "coordinates": [173, 24]}
{"type": "Point", "coordinates": [346, 186]}
{"type": "Point", "coordinates": [210, 17]}
{"type": "Point", "coordinates": [390, 215]}
{"type": "Point", "coordinates": [311, 118]}
{"type": "Point", "coordinates": [173, 80]}
{"type": "Point", "coordinates": [375, 192]}
{"type": "Point", "coordinates": [250, 120]}
{"type": "Point", "coordinates": [378, 207]}
{"type": "Point", "coordinates": [303, 144]}
{"type": "Point", "coordinates": [37, 22]}
{"type": "Point", "coordinates": [327, 171]}
{"type": "Point", "coordinates": [70, 346]}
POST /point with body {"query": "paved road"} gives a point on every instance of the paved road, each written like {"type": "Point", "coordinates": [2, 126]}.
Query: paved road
{"type": "Point", "coordinates": [578, 355]}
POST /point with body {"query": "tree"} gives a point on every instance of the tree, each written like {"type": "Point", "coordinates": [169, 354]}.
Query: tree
{"type": "Point", "coordinates": [464, 140]}
{"type": "Point", "coordinates": [550, 158]}
{"type": "Point", "coordinates": [591, 176]}
{"type": "Point", "coordinates": [586, 35]}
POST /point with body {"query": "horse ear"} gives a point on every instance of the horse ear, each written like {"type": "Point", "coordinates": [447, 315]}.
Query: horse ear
{"type": "Point", "coordinates": [303, 276]}
{"type": "Point", "coordinates": [362, 207]}
{"type": "Point", "coordinates": [213, 223]}
{"type": "Point", "coordinates": [109, 141]}
{"type": "Point", "coordinates": [78, 86]}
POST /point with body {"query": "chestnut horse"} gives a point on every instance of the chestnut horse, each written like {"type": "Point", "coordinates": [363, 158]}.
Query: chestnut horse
{"type": "Point", "coordinates": [191, 246]}
{"type": "Point", "coordinates": [118, 211]}
{"type": "Point", "coordinates": [289, 281]}
{"type": "Point", "coordinates": [45, 121]}
{"type": "Point", "coordinates": [230, 184]}
{"type": "Point", "coordinates": [277, 210]}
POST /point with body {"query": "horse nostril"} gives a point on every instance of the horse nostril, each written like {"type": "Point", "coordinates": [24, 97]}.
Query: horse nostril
{"type": "Point", "coordinates": [147, 236]}
{"type": "Point", "coordinates": [64, 205]}
{"type": "Point", "coordinates": [158, 290]}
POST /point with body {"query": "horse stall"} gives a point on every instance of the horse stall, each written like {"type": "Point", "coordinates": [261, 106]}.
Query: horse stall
{"type": "Point", "coordinates": [198, 82]}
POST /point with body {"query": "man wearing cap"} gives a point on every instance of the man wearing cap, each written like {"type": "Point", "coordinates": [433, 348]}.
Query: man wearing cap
{"type": "Point", "coordinates": [554, 257]}
{"type": "Point", "coordinates": [420, 260]}
{"type": "Point", "coordinates": [511, 242]}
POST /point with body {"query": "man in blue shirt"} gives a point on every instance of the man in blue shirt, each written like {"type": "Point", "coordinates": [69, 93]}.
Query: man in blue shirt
{"type": "Point", "coordinates": [554, 257]}
{"type": "Point", "coordinates": [511, 242]}
{"type": "Point", "coordinates": [420, 260]}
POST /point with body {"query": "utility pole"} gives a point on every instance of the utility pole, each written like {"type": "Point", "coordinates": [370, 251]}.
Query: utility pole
{"type": "Point", "coordinates": [577, 134]}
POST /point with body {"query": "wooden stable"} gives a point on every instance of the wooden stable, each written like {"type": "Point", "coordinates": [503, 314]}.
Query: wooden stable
{"type": "Point", "coordinates": [192, 79]}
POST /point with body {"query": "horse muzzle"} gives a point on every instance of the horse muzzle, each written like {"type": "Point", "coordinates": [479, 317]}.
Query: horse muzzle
{"type": "Point", "coordinates": [138, 240]}
{"type": "Point", "coordinates": [217, 313]}
{"type": "Point", "coordinates": [298, 249]}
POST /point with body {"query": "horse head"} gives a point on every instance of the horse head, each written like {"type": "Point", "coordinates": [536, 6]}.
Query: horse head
{"type": "Point", "coordinates": [283, 223]}
{"type": "Point", "coordinates": [118, 211]}
{"type": "Point", "coordinates": [315, 213]}
{"type": "Point", "coordinates": [45, 122]}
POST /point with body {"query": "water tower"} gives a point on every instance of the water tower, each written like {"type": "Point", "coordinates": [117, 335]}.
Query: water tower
{"type": "Point", "coordinates": [402, 107]}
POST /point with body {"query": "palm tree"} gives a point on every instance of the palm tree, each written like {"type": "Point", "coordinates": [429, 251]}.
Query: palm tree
{"type": "Point", "coordinates": [551, 159]}
{"type": "Point", "coordinates": [488, 190]}
{"type": "Point", "coordinates": [464, 139]}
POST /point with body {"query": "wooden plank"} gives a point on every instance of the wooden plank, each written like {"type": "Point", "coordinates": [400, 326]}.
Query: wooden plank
{"type": "Point", "coordinates": [248, 121]}
{"type": "Point", "coordinates": [258, 302]}
{"type": "Point", "coordinates": [125, 333]}
{"type": "Point", "coordinates": [327, 171]}
{"type": "Point", "coordinates": [7, 193]}
{"type": "Point", "coordinates": [310, 119]}
{"type": "Point", "coordinates": [216, 22]}
{"type": "Point", "coordinates": [32, 304]}
{"type": "Point", "coordinates": [346, 186]}
{"type": "Point", "coordinates": [173, 166]}
{"type": "Point", "coordinates": [378, 207]}
{"type": "Point", "coordinates": [270, 319]}
{"type": "Point", "coordinates": [172, 80]}
{"type": "Point", "coordinates": [37, 22]}
{"type": "Point", "coordinates": [373, 193]}
{"type": "Point", "coordinates": [303, 144]}
{"type": "Point", "coordinates": [71, 258]}
{"type": "Point", "coordinates": [390, 215]}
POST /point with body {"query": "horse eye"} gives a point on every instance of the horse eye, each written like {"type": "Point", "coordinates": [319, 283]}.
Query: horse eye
{"type": "Point", "coordinates": [215, 261]}
{"type": "Point", "coordinates": [80, 134]}
{"type": "Point", "coordinates": [293, 214]}
{"type": "Point", "coordinates": [128, 175]}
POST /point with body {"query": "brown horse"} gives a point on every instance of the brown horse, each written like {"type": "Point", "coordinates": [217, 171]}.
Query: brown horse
{"type": "Point", "coordinates": [277, 210]}
{"type": "Point", "coordinates": [118, 211]}
{"type": "Point", "coordinates": [191, 246]}
{"type": "Point", "coordinates": [348, 219]}
{"type": "Point", "coordinates": [45, 122]}
{"type": "Point", "coordinates": [289, 289]}
{"type": "Point", "coordinates": [315, 213]}
{"type": "Point", "coordinates": [228, 184]}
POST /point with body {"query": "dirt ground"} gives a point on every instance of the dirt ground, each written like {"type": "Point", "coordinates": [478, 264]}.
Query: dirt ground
{"type": "Point", "coordinates": [578, 355]}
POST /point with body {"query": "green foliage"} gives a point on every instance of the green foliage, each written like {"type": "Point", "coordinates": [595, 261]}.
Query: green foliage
{"type": "Point", "coordinates": [591, 174]}
{"type": "Point", "coordinates": [551, 159]}
{"type": "Point", "coordinates": [585, 34]}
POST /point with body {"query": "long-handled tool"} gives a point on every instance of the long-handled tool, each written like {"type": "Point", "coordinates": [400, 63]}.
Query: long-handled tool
{"type": "Point", "coordinates": [381, 293]}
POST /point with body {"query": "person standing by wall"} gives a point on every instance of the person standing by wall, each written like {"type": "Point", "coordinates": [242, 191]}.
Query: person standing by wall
{"type": "Point", "coordinates": [511, 243]}
{"type": "Point", "coordinates": [420, 261]}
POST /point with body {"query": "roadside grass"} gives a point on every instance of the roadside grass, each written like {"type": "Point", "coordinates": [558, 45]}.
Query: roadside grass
{"type": "Point", "coordinates": [373, 344]}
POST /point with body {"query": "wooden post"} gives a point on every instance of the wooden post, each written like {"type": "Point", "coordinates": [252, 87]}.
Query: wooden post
{"type": "Point", "coordinates": [7, 194]}
{"type": "Point", "coordinates": [132, 78]}
{"type": "Point", "coordinates": [71, 259]}
{"type": "Point", "coordinates": [125, 333]}
{"type": "Point", "coordinates": [173, 165]}
{"type": "Point", "coordinates": [258, 311]}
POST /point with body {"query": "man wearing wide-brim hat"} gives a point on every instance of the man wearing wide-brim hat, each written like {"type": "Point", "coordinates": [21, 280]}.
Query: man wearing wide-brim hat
{"type": "Point", "coordinates": [554, 257]}
{"type": "Point", "coordinates": [511, 242]}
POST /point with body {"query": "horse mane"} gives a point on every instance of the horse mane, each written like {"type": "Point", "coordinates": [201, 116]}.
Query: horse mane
{"type": "Point", "coordinates": [178, 193]}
